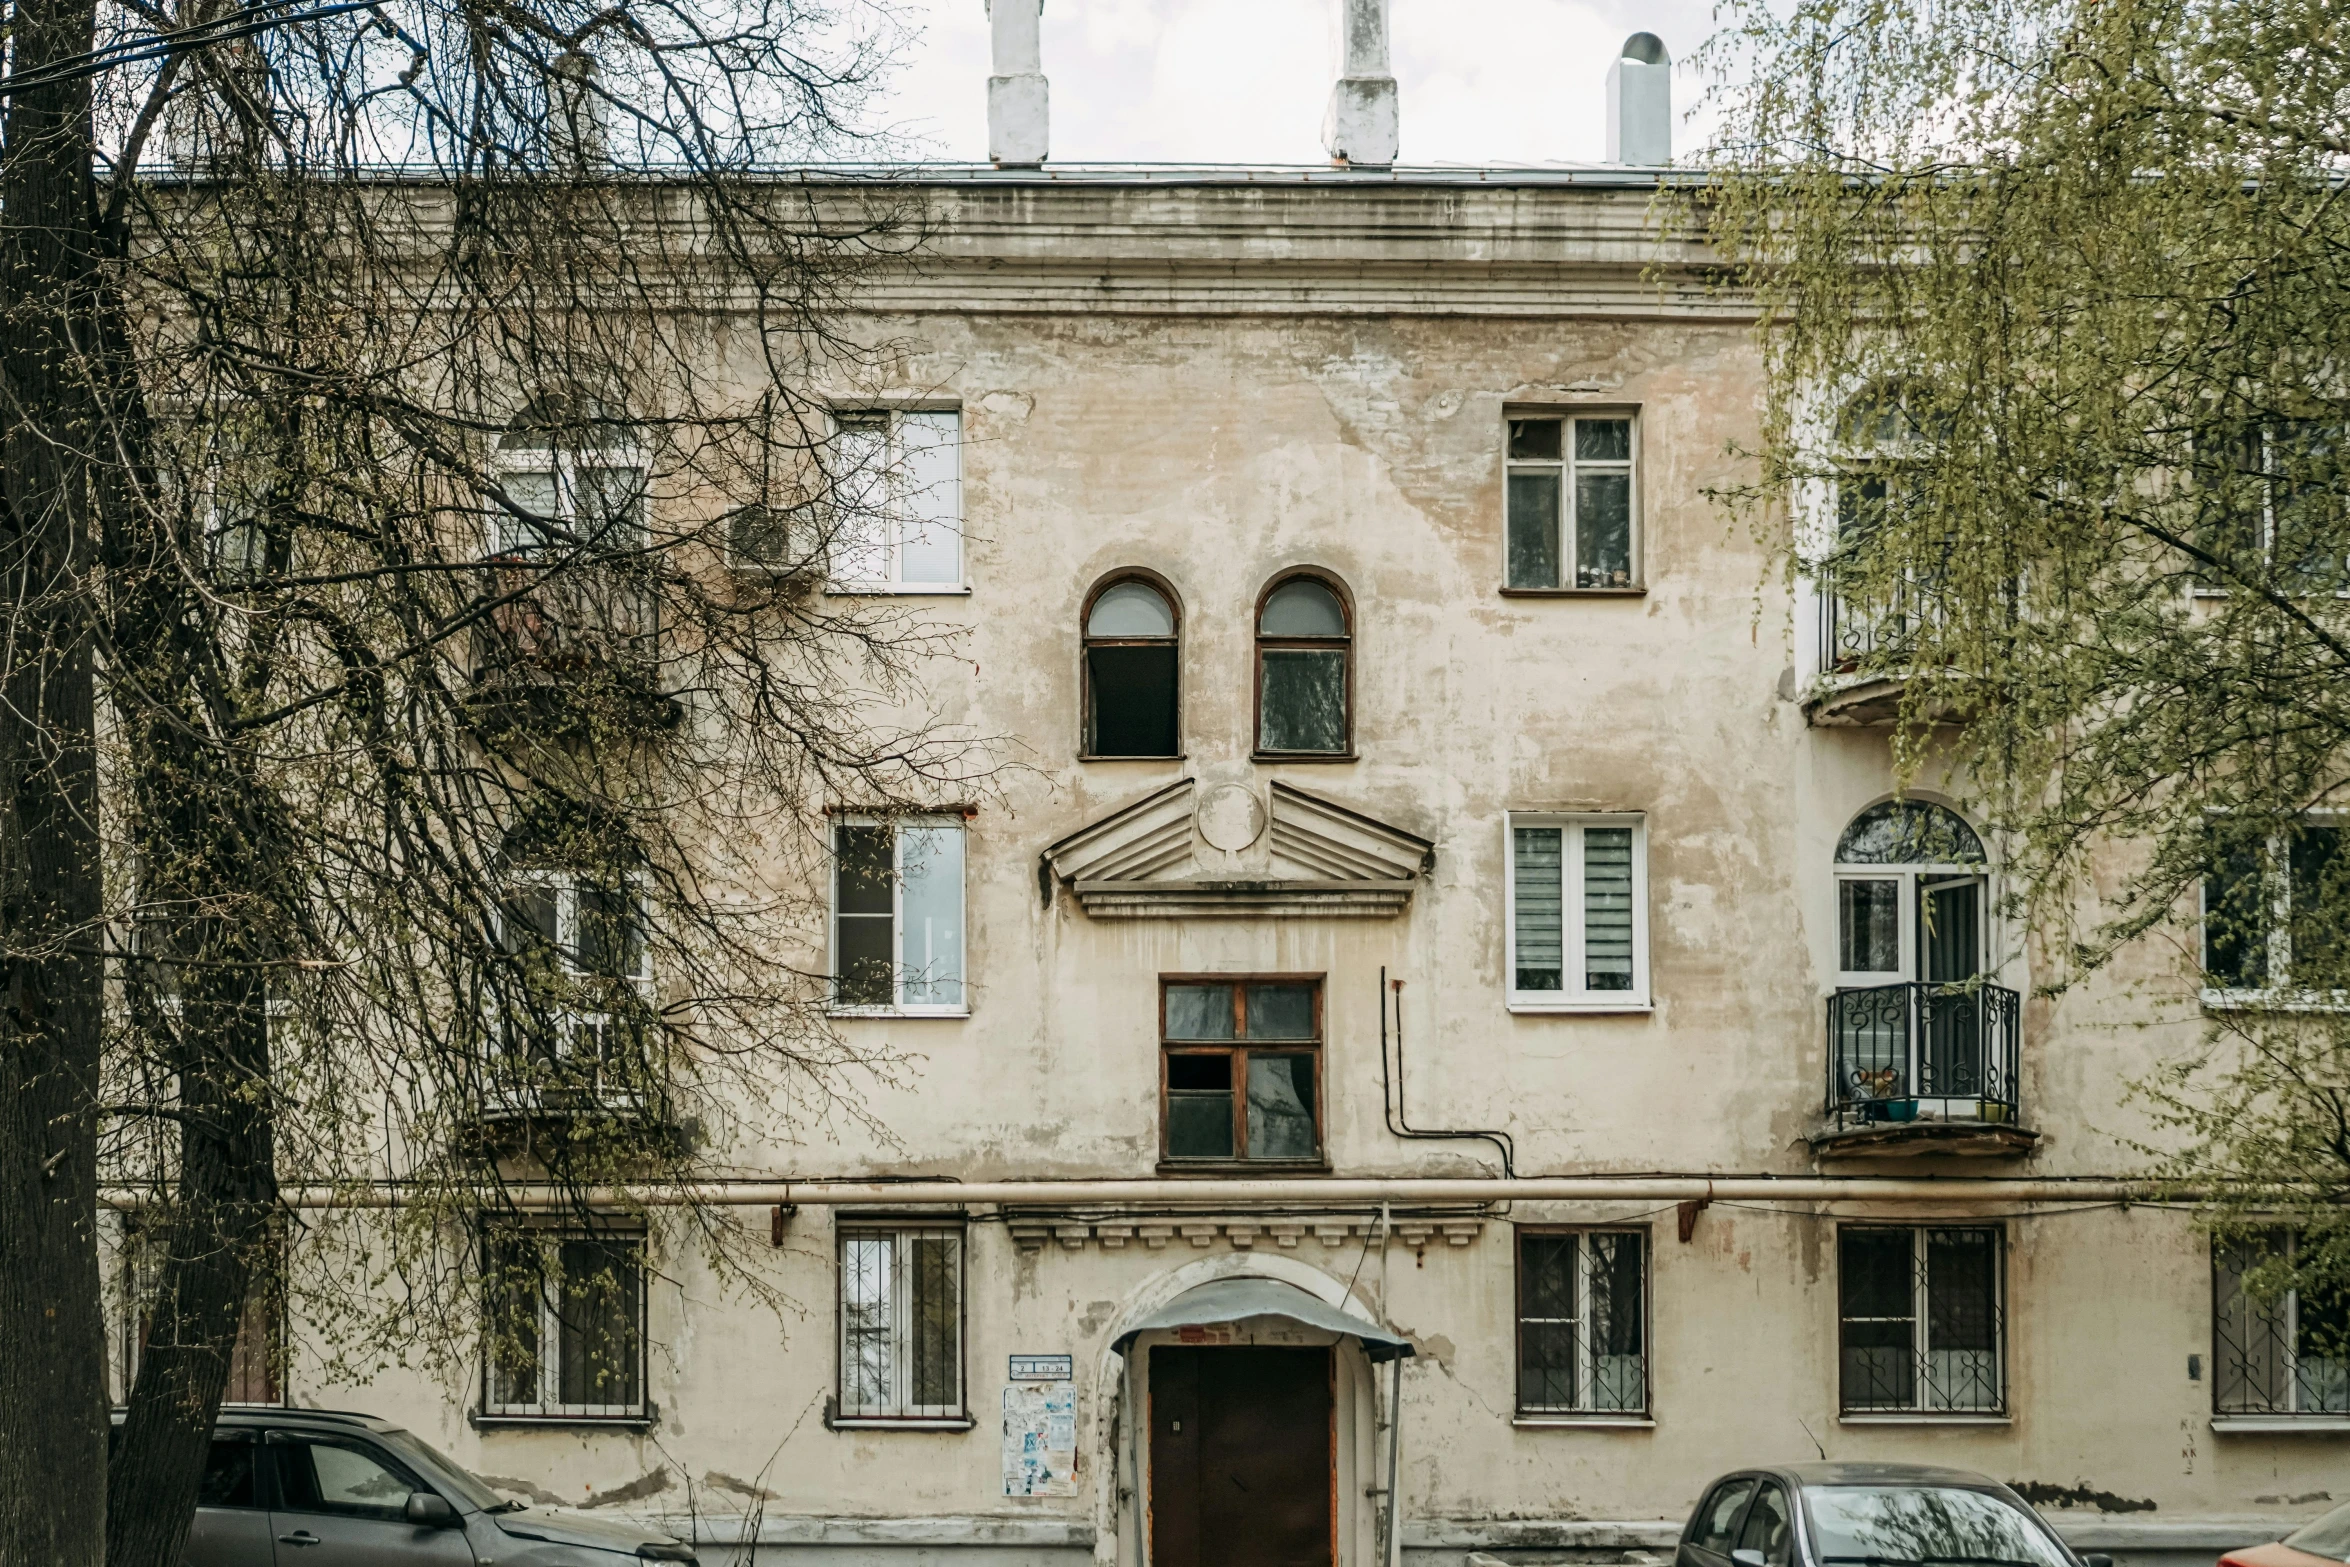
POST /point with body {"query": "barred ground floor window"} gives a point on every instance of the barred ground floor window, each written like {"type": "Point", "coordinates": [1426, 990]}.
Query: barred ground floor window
{"type": "Point", "coordinates": [901, 1323]}
{"type": "Point", "coordinates": [1582, 1322]}
{"type": "Point", "coordinates": [2280, 1352]}
{"type": "Point", "coordinates": [1922, 1326]}
{"type": "Point", "coordinates": [565, 1333]}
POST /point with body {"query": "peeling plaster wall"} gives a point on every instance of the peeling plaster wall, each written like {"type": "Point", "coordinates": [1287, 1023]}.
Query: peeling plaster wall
{"type": "Point", "coordinates": [1219, 385]}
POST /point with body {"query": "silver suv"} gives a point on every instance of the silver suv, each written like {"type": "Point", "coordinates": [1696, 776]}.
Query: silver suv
{"type": "Point", "coordinates": [319, 1488]}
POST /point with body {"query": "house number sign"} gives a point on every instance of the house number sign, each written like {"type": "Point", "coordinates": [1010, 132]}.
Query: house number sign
{"type": "Point", "coordinates": [1043, 1368]}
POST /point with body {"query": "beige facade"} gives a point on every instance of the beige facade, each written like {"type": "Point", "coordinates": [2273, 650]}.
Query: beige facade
{"type": "Point", "coordinates": [1220, 380]}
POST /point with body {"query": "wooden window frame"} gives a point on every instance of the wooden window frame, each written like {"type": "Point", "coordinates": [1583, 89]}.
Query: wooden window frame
{"type": "Point", "coordinates": [1583, 1415]}
{"type": "Point", "coordinates": [1565, 467]}
{"type": "Point", "coordinates": [1237, 1049]}
{"type": "Point", "coordinates": [1345, 644]}
{"type": "Point", "coordinates": [1087, 642]}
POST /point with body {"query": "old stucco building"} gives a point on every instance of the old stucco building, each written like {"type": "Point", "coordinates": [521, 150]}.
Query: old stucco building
{"type": "Point", "coordinates": [1428, 782]}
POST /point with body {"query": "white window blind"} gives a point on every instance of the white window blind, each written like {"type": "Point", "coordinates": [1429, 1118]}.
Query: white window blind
{"type": "Point", "coordinates": [1577, 893]}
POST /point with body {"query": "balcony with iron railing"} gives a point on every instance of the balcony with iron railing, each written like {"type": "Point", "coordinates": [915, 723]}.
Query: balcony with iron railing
{"type": "Point", "coordinates": [570, 1074]}
{"type": "Point", "coordinates": [1924, 1068]}
{"type": "Point", "coordinates": [566, 644]}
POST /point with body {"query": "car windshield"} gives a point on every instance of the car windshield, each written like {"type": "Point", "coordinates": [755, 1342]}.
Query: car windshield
{"type": "Point", "coordinates": [1895, 1525]}
{"type": "Point", "coordinates": [2328, 1537]}
{"type": "Point", "coordinates": [469, 1490]}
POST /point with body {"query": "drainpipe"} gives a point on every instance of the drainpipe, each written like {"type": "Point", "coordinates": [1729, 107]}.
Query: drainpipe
{"type": "Point", "coordinates": [1394, 1460]}
{"type": "Point", "coordinates": [1290, 1192]}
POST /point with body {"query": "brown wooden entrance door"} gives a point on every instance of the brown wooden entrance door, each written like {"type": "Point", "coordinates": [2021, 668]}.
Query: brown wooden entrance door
{"type": "Point", "coordinates": [1240, 1457]}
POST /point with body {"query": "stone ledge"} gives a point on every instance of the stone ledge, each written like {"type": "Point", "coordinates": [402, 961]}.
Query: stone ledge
{"type": "Point", "coordinates": [1244, 1232]}
{"type": "Point", "coordinates": [1040, 1533]}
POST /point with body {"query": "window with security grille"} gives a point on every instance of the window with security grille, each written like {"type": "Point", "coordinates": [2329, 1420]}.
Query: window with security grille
{"type": "Point", "coordinates": [901, 1324]}
{"type": "Point", "coordinates": [1582, 1322]}
{"type": "Point", "coordinates": [2275, 1351]}
{"type": "Point", "coordinates": [1922, 1329]}
{"type": "Point", "coordinates": [565, 1339]}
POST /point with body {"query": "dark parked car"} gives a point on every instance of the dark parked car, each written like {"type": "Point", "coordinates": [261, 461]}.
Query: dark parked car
{"type": "Point", "coordinates": [1868, 1515]}
{"type": "Point", "coordinates": [320, 1488]}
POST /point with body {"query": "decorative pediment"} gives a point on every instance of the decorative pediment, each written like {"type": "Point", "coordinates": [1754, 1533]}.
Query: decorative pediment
{"type": "Point", "coordinates": [1189, 852]}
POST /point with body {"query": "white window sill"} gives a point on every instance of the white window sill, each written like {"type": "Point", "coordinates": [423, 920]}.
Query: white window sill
{"type": "Point", "coordinates": [1923, 1417]}
{"type": "Point", "coordinates": [2281, 1425]}
{"type": "Point", "coordinates": [2274, 1000]}
{"type": "Point", "coordinates": [908, 1423]}
{"type": "Point", "coordinates": [1539, 1008]}
{"type": "Point", "coordinates": [1583, 1422]}
{"type": "Point", "coordinates": [637, 1421]}
{"type": "Point", "coordinates": [897, 1012]}
{"type": "Point", "coordinates": [897, 589]}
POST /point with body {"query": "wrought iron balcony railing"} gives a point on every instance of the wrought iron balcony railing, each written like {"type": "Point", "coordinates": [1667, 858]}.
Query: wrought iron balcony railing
{"type": "Point", "coordinates": [1923, 1052]}
{"type": "Point", "coordinates": [1874, 628]}
{"type": "Point", "coordinates": [550, 622]}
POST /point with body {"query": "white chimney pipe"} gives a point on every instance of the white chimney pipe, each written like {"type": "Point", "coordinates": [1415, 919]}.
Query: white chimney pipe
{"type": "Point", "coordinates": [1360, 126]}
{"type": "Point", "coordinates": [1018, 110]}
{"type": "Point", "coordinates": [1640, 103]}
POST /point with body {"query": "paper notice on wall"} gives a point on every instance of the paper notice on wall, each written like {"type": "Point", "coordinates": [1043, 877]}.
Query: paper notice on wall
{"type": "Point", "coordinates": [1040, 1439]}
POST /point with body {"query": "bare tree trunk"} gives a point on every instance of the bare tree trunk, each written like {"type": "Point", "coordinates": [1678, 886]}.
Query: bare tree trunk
{"type": "Point", "coordinates": [53, 1367]}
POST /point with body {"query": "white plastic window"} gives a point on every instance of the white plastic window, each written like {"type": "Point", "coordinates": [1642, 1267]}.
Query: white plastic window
{"type": "Point", "coordinates": [901, 1324]}
{"type": "Point", "coordinates": [896, 483]}
{"type": "Point", "coordinates": [897, 929]}
{"type": "Point", "coordinates": [1577, 914]}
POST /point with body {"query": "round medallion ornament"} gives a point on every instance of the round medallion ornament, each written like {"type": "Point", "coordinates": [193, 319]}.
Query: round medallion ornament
{"type": "Point", "coordinates": [1230, 817]}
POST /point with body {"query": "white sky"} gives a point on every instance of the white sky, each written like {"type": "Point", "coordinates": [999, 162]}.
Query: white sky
{"type": "Point", "coordinates": [1245, 81]}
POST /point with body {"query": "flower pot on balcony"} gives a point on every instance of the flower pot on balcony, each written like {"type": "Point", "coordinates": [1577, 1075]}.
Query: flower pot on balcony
{"type": "Point", "coordinates": [1901, 1109]}
{"type": "Point", "coordinates": [1993, 1110]}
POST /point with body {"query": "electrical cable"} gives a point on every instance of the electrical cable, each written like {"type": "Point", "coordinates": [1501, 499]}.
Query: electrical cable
{"type": "Point", "coordinates": [1391, 1105]}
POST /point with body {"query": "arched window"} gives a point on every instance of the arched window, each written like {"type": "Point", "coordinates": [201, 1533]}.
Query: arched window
{"type": "Point", "coordinates": [1910, 897]}
{"type": "Point", "coordinates": [1305, 670]}
{"type": "Point", "coordinates": [573, 477]}
{"type": "Point", "coordinates": [1130, 671]}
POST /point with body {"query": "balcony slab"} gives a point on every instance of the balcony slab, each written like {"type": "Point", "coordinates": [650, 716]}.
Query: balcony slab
{"type": "Point", "coordinates": [1908, 1139]}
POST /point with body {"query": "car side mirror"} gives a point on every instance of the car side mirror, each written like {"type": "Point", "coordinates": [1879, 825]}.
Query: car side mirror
{"type": "Point", "coordinates": [433, 1512]}
{"type": "Point", "coordinates": [1755, 1558]}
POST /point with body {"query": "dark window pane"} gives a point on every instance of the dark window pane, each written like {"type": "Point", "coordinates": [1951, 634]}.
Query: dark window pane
{"type": "Point", "coordinates": [353, 1483]}
{"type": "Point", "coordinates": [1616, 1295]}
{"type": "Point", "coordinates": [1303, 607]}
{"type": "Point", "coordinates": [527, 919]}
{"type": "Point", "coordinates": [1546, 1275]}
{"type": "Point", "coordinates": [1281, 1107]}
{"type": "Point", "coordinates": [1546, 1370]}
{"type": "Point", "coordinates": [1534, 530]}
{"type": "Point", "coordinates": [1201, 1070]}
{"type": "Point", "coordinates": [868, 976]}
{"type": "Point", "coordinates": [1199, 1011]}
{"type": "Point", "coordinates": [2237, 917]}
{"type": "Point", "coordinates": [865, 869]}
{"type": "Point", "coordinates": [610, 941]}
{"type": "Point", "coordinates": [1868, 927]}
{"type": "Point", "coordinates": [1962, 1289]}
{"type": "Point", "coordinates": [1304, 701]}
{"type": "Point", "coordinates": [515, 1293]}
{"type": "Point", "coordinates": [1133, 694]}
{"type": "Point", "coordinates": [227, 1480]}
{"type": "Point", "coordinates": [2318, 875]}
{"type": "Point", "coordinates": [1875, 1274]}
{"type": "Point", "coordinates": [1280, 1011]}
{"type": "Point", "coordinates": [1199, 1125]}
{"type": "Point", "coordinates": [1908, 832]}
{"type": "Point", "coordinates": [936, 1321]}
{"type": "Point", "coordinates": [1603, 440]}
{"type": "Point", "coordinates": [1603, 530]}
{"type": "Point", "coordinates": [1535, 439]}
{"type": "Point", "coordinates": [599, 1314]}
